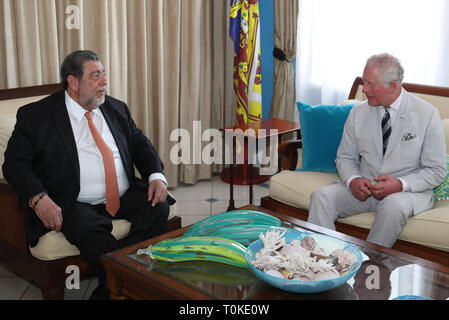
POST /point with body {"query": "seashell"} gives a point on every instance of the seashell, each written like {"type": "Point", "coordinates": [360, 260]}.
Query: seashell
{"type": "Point", "coordinates": [344, 272]}
{"type": "Point", "coordinates": [274, 273]}
{"type": "Point", "coordinates": [287, 274]}
{"type": "Point", "coordinates": [267, 262]}
{"type": "Point", "coordinates": [303, 277]}
{"type": "Point", "coordinates": [308, 243]}
{"type": "Point", "coordinates": [329, 259]}
{"type": "Point", "coordinates": [326, 275]}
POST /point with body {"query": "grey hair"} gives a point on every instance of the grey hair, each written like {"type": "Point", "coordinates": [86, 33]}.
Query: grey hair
{"type": "Point", "coordinates": [390, 67]}
{"type": "Point", "coordinates": [74, 65]}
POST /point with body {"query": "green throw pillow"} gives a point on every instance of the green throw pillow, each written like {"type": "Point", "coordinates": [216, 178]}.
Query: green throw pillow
{"type": "Point", "coordinates": [442, 191]}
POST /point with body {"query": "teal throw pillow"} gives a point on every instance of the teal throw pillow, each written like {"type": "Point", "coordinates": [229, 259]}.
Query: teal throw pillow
{"type": "Point", "coordinates": [321, 131]}
{"type": "Point", "coordinates": [442, 191]}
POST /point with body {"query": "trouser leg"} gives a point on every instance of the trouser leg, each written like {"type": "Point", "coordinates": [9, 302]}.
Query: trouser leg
{"type": "Point", "coordinates": [391, 217]}
{"type": "Point", "coordinates": [89, 229]}
{"type": "Point", "coordinates": [334, 201]}
{"type": "Point", "coordinates": [146, 221]}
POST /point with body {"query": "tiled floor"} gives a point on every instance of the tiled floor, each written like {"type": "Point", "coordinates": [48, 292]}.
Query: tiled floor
{"type": "Point", "coordinates": [194, 202]}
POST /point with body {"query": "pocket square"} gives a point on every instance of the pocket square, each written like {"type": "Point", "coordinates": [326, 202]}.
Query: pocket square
{"type": "Point", "coordinates": [408, 136]}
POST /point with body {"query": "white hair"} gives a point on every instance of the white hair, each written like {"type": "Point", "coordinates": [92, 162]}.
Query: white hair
{"type": "Point", "coordinates": [390, 68]}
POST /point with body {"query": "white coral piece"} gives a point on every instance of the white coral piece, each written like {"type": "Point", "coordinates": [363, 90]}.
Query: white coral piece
{"type": "Point", "coordinates": [272, 241]}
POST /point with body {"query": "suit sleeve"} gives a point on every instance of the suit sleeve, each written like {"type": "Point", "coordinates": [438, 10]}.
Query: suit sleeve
{"type": "Point", "coordinates": [433, 158]}
{"type": "Point", "coordinates": [348, 159]}
{"type": "Point", "coordinates": [19, 155]}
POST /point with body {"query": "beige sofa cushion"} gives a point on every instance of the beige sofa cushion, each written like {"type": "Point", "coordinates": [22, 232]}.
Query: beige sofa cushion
{"type": "Point", "coordinates": [296, 187]}
{"type": "Point", "coordinates": [11, 106]}
{"type": "Point", "coordinates": [54, 245]}
{"type": "Point", "coordinates": [8, 110]}
{"type": "Point", "coordinates": [441, 103]}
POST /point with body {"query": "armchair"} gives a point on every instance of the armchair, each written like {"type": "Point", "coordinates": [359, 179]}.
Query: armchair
{"type": "Point", "coordinates": [45, 264]}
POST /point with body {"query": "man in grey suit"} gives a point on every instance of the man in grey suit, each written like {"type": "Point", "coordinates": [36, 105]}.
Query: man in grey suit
{"type": "Point", "coordinates": [392, 154]}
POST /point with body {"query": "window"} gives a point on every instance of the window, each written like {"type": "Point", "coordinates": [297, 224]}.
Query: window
{"type": "Point", "coordinates": [335, 38]}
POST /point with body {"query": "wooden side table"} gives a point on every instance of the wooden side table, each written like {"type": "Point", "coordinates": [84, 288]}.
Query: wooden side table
{"type": "Point", "coordinates": [246, 174]}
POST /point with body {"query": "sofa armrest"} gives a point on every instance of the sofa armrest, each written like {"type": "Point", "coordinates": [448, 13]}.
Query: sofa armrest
{"type": "Point", "coordinates": [288, 150]}
{"type": "Point", "coordinates": [13, 216]}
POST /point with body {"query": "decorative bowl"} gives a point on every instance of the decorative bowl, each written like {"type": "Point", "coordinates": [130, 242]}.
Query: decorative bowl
{"type": "Point", "coordinates": [306, 286]}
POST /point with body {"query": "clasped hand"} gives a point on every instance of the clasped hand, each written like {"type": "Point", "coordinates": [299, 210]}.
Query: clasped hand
{"type": "Point", "coordinates": [362, 188]}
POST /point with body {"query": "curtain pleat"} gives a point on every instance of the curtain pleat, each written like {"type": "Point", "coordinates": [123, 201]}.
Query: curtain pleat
{"type": "Point", "coordinates": [164, 77]}
{"type": "Point", "coordinates": [28, 48]}
{"type": "Point", "coordinates": [195, 95]}
{"type": "Point", "coordinates": [9, 71]}
{"type": "Point", "coordinates": [169, 60]}
{"type": "Point", "coordinates": [285, 22]}
{"type": "Point", "coordinates": [48, 41]}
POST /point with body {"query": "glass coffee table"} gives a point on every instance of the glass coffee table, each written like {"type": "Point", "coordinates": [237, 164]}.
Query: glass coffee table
{"type": "Point", "coordinates": [384, 275]}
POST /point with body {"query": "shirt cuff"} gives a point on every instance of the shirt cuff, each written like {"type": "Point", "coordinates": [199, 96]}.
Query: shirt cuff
{"type": "Point", "coordinates": [157, 176]}
{"type": "Point", "coordinates": [349, 180]}
{"type": "Point", "coordinates": [404, 185]}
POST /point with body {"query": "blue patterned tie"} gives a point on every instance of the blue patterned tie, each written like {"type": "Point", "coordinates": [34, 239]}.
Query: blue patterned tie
{"type": "Point", "coordinates": [386, 128]}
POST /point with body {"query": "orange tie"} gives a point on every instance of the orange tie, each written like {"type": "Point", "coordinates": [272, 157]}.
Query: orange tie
{"type": "Point", "coordinates": [112, 194]}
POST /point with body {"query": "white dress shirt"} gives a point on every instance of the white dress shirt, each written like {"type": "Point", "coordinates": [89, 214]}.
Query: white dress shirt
{"type": "Point", "coordinates": [92, 177]}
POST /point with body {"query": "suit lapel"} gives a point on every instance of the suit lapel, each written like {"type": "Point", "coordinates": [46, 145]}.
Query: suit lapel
{"type": "Point", "coordinates": [62, 123]}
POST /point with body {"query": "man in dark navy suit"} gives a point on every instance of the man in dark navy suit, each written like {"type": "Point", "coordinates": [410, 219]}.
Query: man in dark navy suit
{"type": "Point", "coordinates": [55, 164]}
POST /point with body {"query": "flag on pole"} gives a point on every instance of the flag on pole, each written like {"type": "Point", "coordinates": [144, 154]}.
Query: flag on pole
{"type": "Point", "coordinates": [245, 32]}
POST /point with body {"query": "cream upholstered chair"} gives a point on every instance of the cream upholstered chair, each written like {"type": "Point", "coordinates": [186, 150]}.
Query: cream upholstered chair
{"type": "Point", "coordinates": [44, 264]}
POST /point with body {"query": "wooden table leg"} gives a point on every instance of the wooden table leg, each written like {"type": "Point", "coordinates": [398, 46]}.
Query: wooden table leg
{"type": "Point", "coordinates": [231, 177]}
{"type": "Point", "coordinates": [250, 167]}
{"type": "Point", "coordinates": [279, 156]}
{"type": "Point", "coordinates": [115, 287]}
